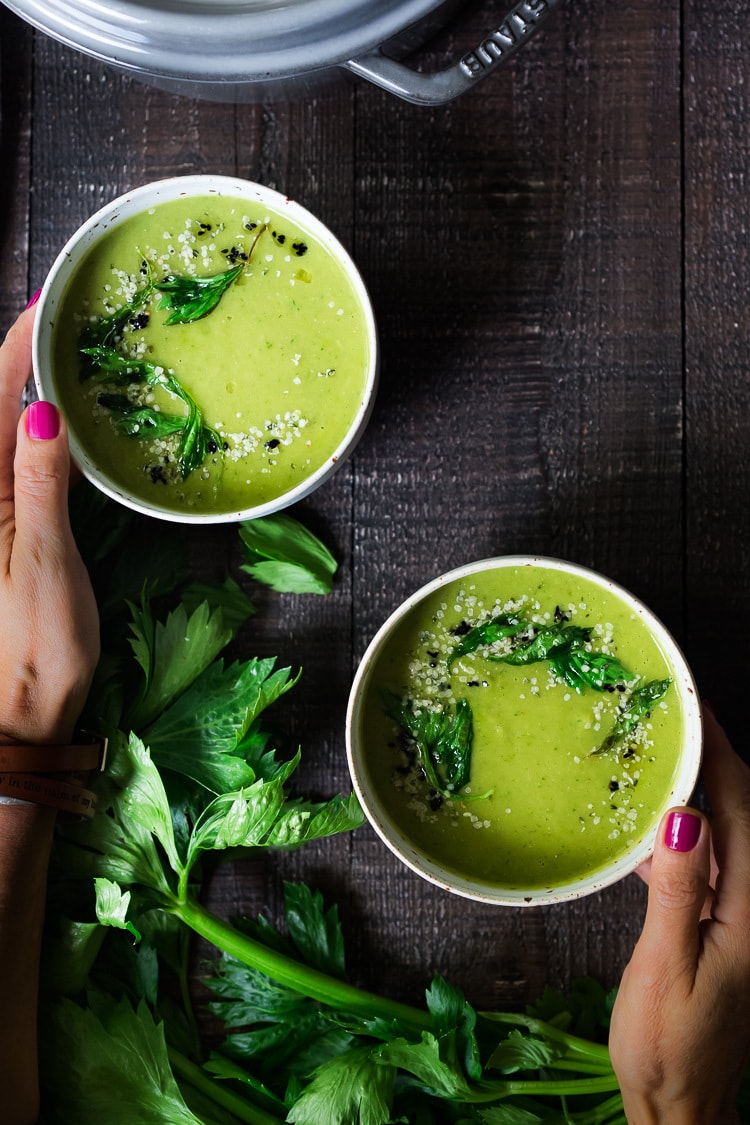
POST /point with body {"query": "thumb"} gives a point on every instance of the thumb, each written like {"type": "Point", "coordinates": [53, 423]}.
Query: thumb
{"type": "Point", "coordinates": [41, 471]}
{"type": "Point", "coordinates": [678, 886]}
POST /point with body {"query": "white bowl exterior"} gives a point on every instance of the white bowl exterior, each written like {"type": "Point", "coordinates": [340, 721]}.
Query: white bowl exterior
{"type": "Point", "coordinates": [389, 832]}
{"type": "Point", "coordinates": [132, 203]}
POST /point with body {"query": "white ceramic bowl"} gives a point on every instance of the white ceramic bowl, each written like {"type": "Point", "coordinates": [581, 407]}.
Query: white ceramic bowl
{"type": "Point", "coordinates": [137, 201]}
{"type": "Point", "coordinates": [398, 839]}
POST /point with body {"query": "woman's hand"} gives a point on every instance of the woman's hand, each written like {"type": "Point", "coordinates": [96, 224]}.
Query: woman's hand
{"type": "Point", "coordinates": [49, 636]}
{"type": "Point", "coordinates": [680, 1035]}
{"type": "Point", "coordinates": [49, 645]}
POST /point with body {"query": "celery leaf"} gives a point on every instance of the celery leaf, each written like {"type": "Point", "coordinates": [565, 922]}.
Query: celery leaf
{"type": "Point", "coordinates": [112, 905]}
{"type": "Point", "coordinates": [122, 846]}
{"type": "Point", "coordinates": [315, 931]}
{"type": "Point", "coordinates": [200, 733]}
{"type": "Point", "coordinates": [173, 654]}
{"type": "Point", "coordinates": [425, 1062]}
{"type": "Point", "coordinates": [284, 555]}
{"type": "Point", "coordinates": [114, 1067]}
{"type": "Point", "coordinates": [522, 1052]}
{"type": "Point", "coordinates": [302, 821]}
{"type": "Point", "coordinates": [350, 1089]}
{"type": "Point", "coordinates": [455, 1021]}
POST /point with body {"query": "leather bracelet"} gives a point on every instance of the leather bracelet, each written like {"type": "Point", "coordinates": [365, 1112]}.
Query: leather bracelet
{"type": "Point", "coordinates": [45, 774]}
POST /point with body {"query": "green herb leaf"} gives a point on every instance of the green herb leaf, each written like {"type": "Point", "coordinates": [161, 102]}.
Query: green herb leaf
{"type": "Point", "coordinates": [298, 1044]}
{"type": "Point", "coordinates": [191, 452]}
{"type": "Point", "coordinates": [565, 647]}
{"type": "Point", "coordinates": [120, 843]}
{"type": "Point", "coordinates": [237, 820]}
{"type": "Point", "coordinates": [303, 1037]}
{"type": "Point", "coordinates": [120, 369]}
{"type": "Point", "coordinates": [443, 740]}
{"type": "Point", "coordinates": [172, 655]}
{"type": "Point", "coordinates": [142, 801]}
{"type": "Point", "coordinates": [248, 997]}
{"type": "Point", "coordinates": [584, 1010]}
{"type": "Point", "coordinates": [302, 821]}
{"type": "Point", "coordinates": [138, 421]}
{"type": "Point", "coordinates": [191, 298]}
{"type": "Point", "coordinates": [259, 815]}
{"type": "Point", "coordinates": [499, 627]}
{"type": "Point", "coordinates": [424, 1061]}
{"type": "Point", "coordinates": [114, 1067]}
{"type": "Point", "coordinates": [199, 734]}
{"type": "Point", "coordinates": [222, 1067]}
{"type": "Point", "coordinates": [70, 949]}
{"type": "Point", "coordinates": [545, 639]}
{"type": "Point", "coordinates": [455, 1021]}
{"type": "Point", "coordinates": [638, 707]}
{"type": "Point", "coordinates": [507, 1114]}
{"type": "Point", "coordinates": [579, 668]}
{"type": "Point", "coordinates": [112, 904]}
{"type": "Point", "coordinates": [315, 931]}
{"type": "Point", "coordinates": [284, 555]}
{"type": "Point", "coordinates": [522, 1052]}
{"type": "Point", "coordinates": [351, 1087]}
{"type": "Point", "coordinates": [106, 331]}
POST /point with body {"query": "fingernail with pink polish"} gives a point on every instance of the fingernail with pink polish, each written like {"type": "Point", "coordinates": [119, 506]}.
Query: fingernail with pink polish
{"type": "Point", "coordinates": [42, 421]}
{"type": "Point", "coordinates": [34, 299]}
{"type": "Point", "coordinates": [683, 831]}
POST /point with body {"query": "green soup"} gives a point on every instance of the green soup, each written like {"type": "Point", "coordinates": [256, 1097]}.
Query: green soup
{"type": "Point", "coordinates": [275, 373]}
{"type": "Point", "coordinates": [544, 804]}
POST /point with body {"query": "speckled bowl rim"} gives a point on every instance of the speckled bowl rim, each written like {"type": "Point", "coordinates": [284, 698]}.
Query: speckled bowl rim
{"type": "Point", "coordinates": [140, 199]}
{"type": "Point", "coordinates": [389, 832]}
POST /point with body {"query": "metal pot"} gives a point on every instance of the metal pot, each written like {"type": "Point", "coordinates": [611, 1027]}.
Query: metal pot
{"type": "Point", "coordinates": [248, 50]}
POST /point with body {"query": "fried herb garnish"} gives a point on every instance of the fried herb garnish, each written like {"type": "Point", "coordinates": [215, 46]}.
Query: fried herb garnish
{"type": "Point", "coordinates": [443, 740]}
{"type": "Point", "coordinates": [192, 298]}
{"type": "Point", "coordinates": [567, 647]}
{"type": "Point", "coordinates": [106, 331]}
{"type": "Point", "coordinates": [140, 420]}
{"type": "Point", "coordinates": [580, 668]}
{"type": "Point", "coordinates": [496, 629]}
{"type": "Point", "coordinates": [632, 714]}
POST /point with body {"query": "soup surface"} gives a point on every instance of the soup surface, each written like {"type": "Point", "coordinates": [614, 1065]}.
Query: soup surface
{"type": "Point", "coordinates": [562, 780]}
{"type": "Point", "coordinates": [230, 408]}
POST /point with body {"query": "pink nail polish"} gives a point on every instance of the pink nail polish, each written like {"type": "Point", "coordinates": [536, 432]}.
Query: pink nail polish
{"type": "Point", "coordinates": [34, 299]}
{"type": "Point", "coordinates": [683, 831]}
{"type": "Point", "coordinates": [42, 421]}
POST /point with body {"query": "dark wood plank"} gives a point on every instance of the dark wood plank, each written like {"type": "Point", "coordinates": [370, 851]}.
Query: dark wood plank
{"type": "Point", "coordinates": [98, 132]}
{"type": "Point", "coordinates": [717, 276]}
{"type": "Point", "coordinates": [15, 159]}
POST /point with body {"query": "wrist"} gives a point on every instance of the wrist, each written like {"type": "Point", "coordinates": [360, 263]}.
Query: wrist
{"type": "Point", "coordinates": [52, 774]}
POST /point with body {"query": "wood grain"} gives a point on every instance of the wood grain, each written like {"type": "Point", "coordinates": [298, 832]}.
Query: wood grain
{"type": "Point", "coordinates": [717, 275]}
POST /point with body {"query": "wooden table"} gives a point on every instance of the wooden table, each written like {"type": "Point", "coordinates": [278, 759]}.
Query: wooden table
{"type": "Point", "coordinates": [559, 266]}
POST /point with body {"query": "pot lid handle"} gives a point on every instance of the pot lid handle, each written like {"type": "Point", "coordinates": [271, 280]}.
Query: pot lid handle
{"type": "Point", "coordinates": [443, 86]}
